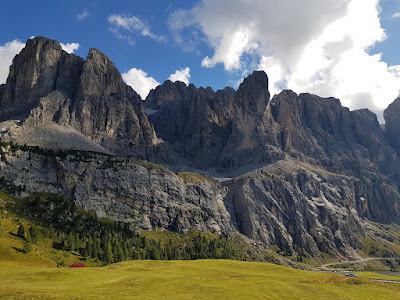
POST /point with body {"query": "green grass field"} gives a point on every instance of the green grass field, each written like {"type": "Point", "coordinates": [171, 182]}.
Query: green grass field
{"type": "Point", "coordinates": [201, 279]}
{"type": "Point", "coordinates": [33, 274]}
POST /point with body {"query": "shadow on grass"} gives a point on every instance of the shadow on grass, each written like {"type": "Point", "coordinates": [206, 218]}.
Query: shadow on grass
{"type": "Point", "coordinates": [19, 250]}
{"type": "Point", "coordinates": [13, 234]}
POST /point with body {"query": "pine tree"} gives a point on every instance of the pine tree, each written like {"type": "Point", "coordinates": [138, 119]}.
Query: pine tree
{"type": "Point", "coordinates": [27, 246]}
{"type": "Point", "coordinates": [21, 231]}
{"type": "Point", "coordinates": [33, 234]}
{"type": "Point", "coordinates": [144, 242]}
{"type": "Point", "coordinates": [89, 247]}
{"type": "Point", "coordinates": [95, 248]}
{"type": "Point", "coordinates": [77, 241]}
{"type": "Point", "coordinates": [118, 253]}
{"type": "Point", "coordinates": [177, 253]}
{"type": "Point", "coordinates": [125, 249]}
{"type": "Point", "coordinates": [85, 254]}
{"type": "Point", "coordinates": [71, 242]}
{"type": "Point", "coordinates": [109, 257]}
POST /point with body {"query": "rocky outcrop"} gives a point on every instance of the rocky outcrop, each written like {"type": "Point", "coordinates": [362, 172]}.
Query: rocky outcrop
{"type": "Point", "coordinates": [50, 87]}
{"type": "Point", "coordinates": [196, 122]}
{"type": "Point", "coordinates": [33, 74]}
{"type": "Point", "coordinates": [299, 208]}
{"type": "Point", "coordinates": [223, 130]}
{"type": "Point", "coordinates": [235, 132]}
{"type": "Point", "coordinates": [324, 133]}
{"type": "Point", "coordinates": [392, 124]}
{"type": "Point", "coordinates": [141, 193]}
{"type": "Point", "coordinates": [254, 140]}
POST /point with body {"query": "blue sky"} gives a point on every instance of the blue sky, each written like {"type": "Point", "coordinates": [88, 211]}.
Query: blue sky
{"type": "Point", "coordinates": [308, 46]}
{"type": "Point", "coordinates": [59, 20]}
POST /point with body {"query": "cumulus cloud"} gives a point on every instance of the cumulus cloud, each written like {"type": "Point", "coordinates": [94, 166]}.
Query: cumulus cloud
{"type": "Point", "coordinates": [70, 47]}
{"type": "Point", "coordinates": [83, 15]}
{"type": "Point", "coordinates": [308, 46]}
{"type": "Point", "coordinates": [181, 75]}
{"type": "Point", "coordinates": [7, 53]}
{"type": "Point", "coordinates": [118, 35]}
{"type": "Point", "coordinates": [140, 81]}
{"type": "Point", "coordinates": [131, 24]}
{"type": "Point", "coordinates": [396, 15]}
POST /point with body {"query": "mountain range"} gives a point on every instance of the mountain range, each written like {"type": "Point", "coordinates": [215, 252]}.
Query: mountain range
{"type": "Point", "coordinates": [296, 171]}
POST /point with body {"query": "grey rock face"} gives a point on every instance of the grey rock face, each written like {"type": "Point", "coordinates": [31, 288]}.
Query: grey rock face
{"type": "Point", "coordinates": [147, 195]}
{"type": "Point", "coordinates": [196, 122]}
{"type": "Point", "coordinates": [392, 128]}
{"type": "Point", "coordinates": [254, 140]}
{"type": "Point", "coordinates": [296, 206]}
{"type": "Point", "coordinates": [225, 130]}
{"type": "Point", "coordinates": [32, 75]}
{"type": "Point", "coordinates": [54, 88]}
{"type": "Point", "coordinates": [323, 132]}
{"type": "Point", "coordinates": [100, 77]}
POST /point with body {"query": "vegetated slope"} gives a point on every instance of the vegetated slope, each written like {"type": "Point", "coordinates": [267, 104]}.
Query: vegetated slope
{"type": "Point", "coordinates": [202, 279]}
{"type": "Point", "coordinates": [311, 175]}
{"type": "Point", "coordinates": [45, 229]}
{"type": "Point", "coordinates": [24, 242]}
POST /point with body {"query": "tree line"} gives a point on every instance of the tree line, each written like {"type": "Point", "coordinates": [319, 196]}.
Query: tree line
{"type": "Point", "coordinates": [74, 229]}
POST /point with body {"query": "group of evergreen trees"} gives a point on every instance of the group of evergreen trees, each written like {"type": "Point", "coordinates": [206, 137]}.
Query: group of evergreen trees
{"type": "Point", "coordinates": [29, 237]}
{"type": "Point", "coordinates": [74, 229]}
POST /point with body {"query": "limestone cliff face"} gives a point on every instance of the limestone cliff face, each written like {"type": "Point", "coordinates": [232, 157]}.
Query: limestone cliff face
{"type": "Point", "coordinates": [224, 130]}
{"type": "Point", "coordinates": [144, 194]}
{"type": "Point", "coordinates": [254, 139]}
{"type": "Point", "coordinates": [88, 98]}
{"type": "Point", "coordinates": [32, 75]}
{"type": "Point", "coordinates": [392, 127]}
{"type": "Point", "coordinates": [196, 122]}
{"type": "Point", "coordinates": [325, 133]}
{"type": "Point", "coordinates": [298, 207]}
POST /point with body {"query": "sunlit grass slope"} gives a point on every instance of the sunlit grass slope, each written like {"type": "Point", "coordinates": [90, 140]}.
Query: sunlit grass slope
{"type": "Point", "coordinates": [201, 279]}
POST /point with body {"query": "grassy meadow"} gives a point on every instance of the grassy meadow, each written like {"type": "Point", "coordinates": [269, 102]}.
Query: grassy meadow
{"type": "Point", "coordinates": [200, 279]}
{"type": "Point", "coordinates": [41, 273]}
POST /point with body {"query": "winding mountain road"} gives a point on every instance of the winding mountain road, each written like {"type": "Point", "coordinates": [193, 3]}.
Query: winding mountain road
{"type": "Point", "coordinates": [326, 266]}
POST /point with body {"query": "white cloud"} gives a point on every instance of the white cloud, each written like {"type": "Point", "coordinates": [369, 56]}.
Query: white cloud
{"type": "Point", "coordinates": [181, 75]}
{"type": "Point", "coordinates": [396, 15]}
{"type": "Point", "coordinates": [309, 46]}
{"type": "Point", "coordinates": [131, 24]}
{"type": "Point", "coordinates": [7, 53]}
{"type": "Point", "coordinates": [140, 81]}
{"type": "Point", "coordinates": [121, 36]}
{"type": "Point", "coordinates": [83, 15]}
{"type": "Point", "coordinates": [70, 47]}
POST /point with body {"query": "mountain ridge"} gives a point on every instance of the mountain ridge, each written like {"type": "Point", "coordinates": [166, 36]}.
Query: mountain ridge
{"type": "Point", "coordinates": [297, 171]}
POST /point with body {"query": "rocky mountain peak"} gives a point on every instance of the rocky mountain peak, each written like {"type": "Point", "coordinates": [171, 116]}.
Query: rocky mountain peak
{"type": "Point", "coordinates": [100, 77]}
{"type": "Point", "coordinates": [52, 93]}
{"type": "Point", "coordinates": [253, 95]}
{"type": "Point", "coordinates": [168, 91]}
{"type": "Point", "coordinates": [40, 44]}
{"type": "Point", "coordinates": [32, 75]}
{"type": "Point", "coordinates": [392, 128]}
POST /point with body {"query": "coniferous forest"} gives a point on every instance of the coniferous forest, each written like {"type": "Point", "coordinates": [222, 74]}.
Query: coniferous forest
{"type": "Point", "coordinates": [107, 241]}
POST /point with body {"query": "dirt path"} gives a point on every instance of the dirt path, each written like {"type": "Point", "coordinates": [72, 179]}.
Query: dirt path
{"type": "Point", "coordinates": [326, 266]}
